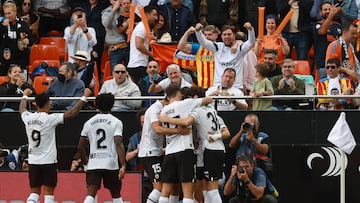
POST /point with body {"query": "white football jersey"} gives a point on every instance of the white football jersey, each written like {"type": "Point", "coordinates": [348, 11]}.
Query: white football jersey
{"type": "Point", "coordinates": [100, 131]}
{"type": "Point", "coordinates": [207, 120]}
{"type": "Point", "coordinates": [40, 130]}
{"type": "Point", "coordinates": [179, 109]}
{"type": "Point", "coordinates": [151, 144]}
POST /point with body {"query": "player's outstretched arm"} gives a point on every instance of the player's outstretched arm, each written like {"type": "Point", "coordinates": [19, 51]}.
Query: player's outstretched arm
{"type": "Point", "coordinates": [23, 102]}
{"type": "Point", "coordinates": [75, 110]}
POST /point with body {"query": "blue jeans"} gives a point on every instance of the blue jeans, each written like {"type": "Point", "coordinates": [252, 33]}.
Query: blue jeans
{"type": "Point", "coordinates": [302, 42]}
{"type": "Point", "coordinates": [119, 56]}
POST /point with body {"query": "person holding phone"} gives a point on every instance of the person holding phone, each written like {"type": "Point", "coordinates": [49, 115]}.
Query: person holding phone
{"type": "Point", "coordinates": [227, 89]}
{"type": "Point", "coordinates": [249, 183]}
{"type": "Point", "coordinates": [78, 36]}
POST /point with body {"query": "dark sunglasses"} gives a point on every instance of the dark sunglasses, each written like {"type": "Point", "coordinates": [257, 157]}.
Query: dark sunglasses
{"type": "Point", "coordinates": [332, 67]}
{"type": "Point", "coordinates": [120, 71]}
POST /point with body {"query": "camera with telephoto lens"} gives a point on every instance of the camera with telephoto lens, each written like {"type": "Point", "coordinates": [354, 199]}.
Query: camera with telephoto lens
{"type": "Point", "coordinates": [248, 127]}
{"type": "Point", "coordinates": [240, 169]}
{"type": "Point", "coordinates": [3, 153]}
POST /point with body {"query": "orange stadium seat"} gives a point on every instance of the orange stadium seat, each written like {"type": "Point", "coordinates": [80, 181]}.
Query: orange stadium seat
{"type": "Point", "coordinates": [42, 52]}
{"type": "Point", "coordinates": [302, 67]}
{"type": "Point", "coordinates": [97, 82]}
{"type": "Point", "coordinates": [107, 70]}
{"type": "Point", "coordinates": [3, 79]}
{"type": "Point", "coordinates": [104, 58]}
{"type": "Point", "coordinates": [54, 33]}
{"type": "Point", "coordinates": [60, 44]}
{"type": "Point", "coordinates": [42, 83]}
{"type": "Point", "coordinates": [53, 63]}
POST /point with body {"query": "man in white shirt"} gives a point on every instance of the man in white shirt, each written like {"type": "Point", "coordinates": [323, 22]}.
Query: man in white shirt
{"type": "Point", "coordinates": [103, 133]}
{"type": "Point", "coordinates": [174, 78]}
{"type": "Point", "coordinates": [227, 89]}
{"type": "Point", "coordinates": [224, 58]}
{"type": "Point", "coordinates": [78, 36]}
{"type": "Point", "coordinates": [139, 45]}
{"type": "Point", "coordinates": [40, 129]}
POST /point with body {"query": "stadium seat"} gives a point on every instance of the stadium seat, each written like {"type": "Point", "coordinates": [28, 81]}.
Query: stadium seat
{"type": "Point", "coordinates": [97, 82]}
{"type": "Point", "coordinates": [53, 63]}
{"type": "Point", "coordinates": [302, 67]}
{"type": "Point", "coordinates": [107, 70]}
{"type": "Point", "coordinates": [60, 44]}
{"type": "Point", "coordinates": [42, 52]}
{"type": "Point", "coordinates": [42, 83]}
{"type": "Point", "coordinates": [3, 79]}
{"type": "Point", "coordinates": [54, 33]}
{"type": "Point", "coordinates": [104, 58]}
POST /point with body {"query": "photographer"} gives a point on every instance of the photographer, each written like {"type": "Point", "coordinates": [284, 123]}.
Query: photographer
{"type": "Point", "coordinates": [7, 160]}
{"type": "Point", "coordinates": [249, 141]}
{"type": "Point", "coordinates": [251, 185]}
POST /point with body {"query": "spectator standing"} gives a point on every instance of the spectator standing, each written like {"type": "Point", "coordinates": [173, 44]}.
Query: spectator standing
{"type": "Point", "coordinates": [66, 85]}
{"type": "Point", "coordinates": [271, 41]}
{"type": "Point", "coordinates": [227, 89]}
{"type": "Point", "coordinates": [250, 183]}
{"type": "Point", "coordinates": [54, 15]}
{"type": "Point", "coordinates": [40, 130]}
{"type": "Point", "coordinates": [14, 88]}
{"type": "Point", "coordinates": [161, 30]}
{"type": "Point", "coordinates": [298, 32]}
{"type": "Point", "coordinates": [251, 141]}
{"type": "Point", "coordinates": [214, 12]}
{"type": "Point", "coordinates": [122, 86]}
{"type": "Point", "coordinates": [334, 84]}
{"type": "Point", "coordinates": [343, 50]}
{"type": "Point", "coordinates": [224, 58]}
{"type": "Point", "coordinates": [115, 39]}
{"type": "Point", "coordinates": [174, 78]}
{"type": "Point", "coordinates": [326, 30]}
{"type": "Point", "coordinates": [79, 37]}
{"type": "Point", "coordinates": [179, 18]}
{"type": "Point", "coordinates": [139, 45]}
{"type": "Point", "coordinates": [204, 58]}
{"type": "Point", "coordinates": [287, 84]}
{"type": "Point", "coordinates": [93, 11]}
{"type": "Point", "coordinates": [105, 153]}
{"type": "Point", "coordinates": [15, 38]}
{"type": "Point", "coordinates": [262, 87]}
{"type": "Point", "coordinates": [27, 14]}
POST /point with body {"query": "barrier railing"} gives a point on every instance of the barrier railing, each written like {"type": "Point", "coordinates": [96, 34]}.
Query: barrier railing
{"type": "Point", "coordinates": [310, 98]}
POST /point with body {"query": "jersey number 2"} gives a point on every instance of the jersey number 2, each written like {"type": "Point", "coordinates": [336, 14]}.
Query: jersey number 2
{"type": "Point", "coordinates": [100, 132]}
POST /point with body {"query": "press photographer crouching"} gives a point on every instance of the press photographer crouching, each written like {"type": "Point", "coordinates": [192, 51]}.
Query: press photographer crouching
{"type": "Point", "coordinates": [249, 141]}
{"type": "Point", "coordinates": [250, 183]}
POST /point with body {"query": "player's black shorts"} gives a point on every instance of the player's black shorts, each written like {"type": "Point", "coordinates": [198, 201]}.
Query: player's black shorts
{"type": "Point", "coordinates": [110, 178]}
{"type": "Point", "coordinates": [179, 167]}
{"type": "Point", "coordinates": [153, 167]}
{"type": "Point", "coordinates": [45, 174]}
{"type": "Point", "coordinates": [213, 164]}
{"type": "Point", "coordinates": [200, 173]}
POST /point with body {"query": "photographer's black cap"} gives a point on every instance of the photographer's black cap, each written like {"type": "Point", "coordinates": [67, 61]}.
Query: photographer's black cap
{"type": "Point", "coordinates": [77, 9]}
